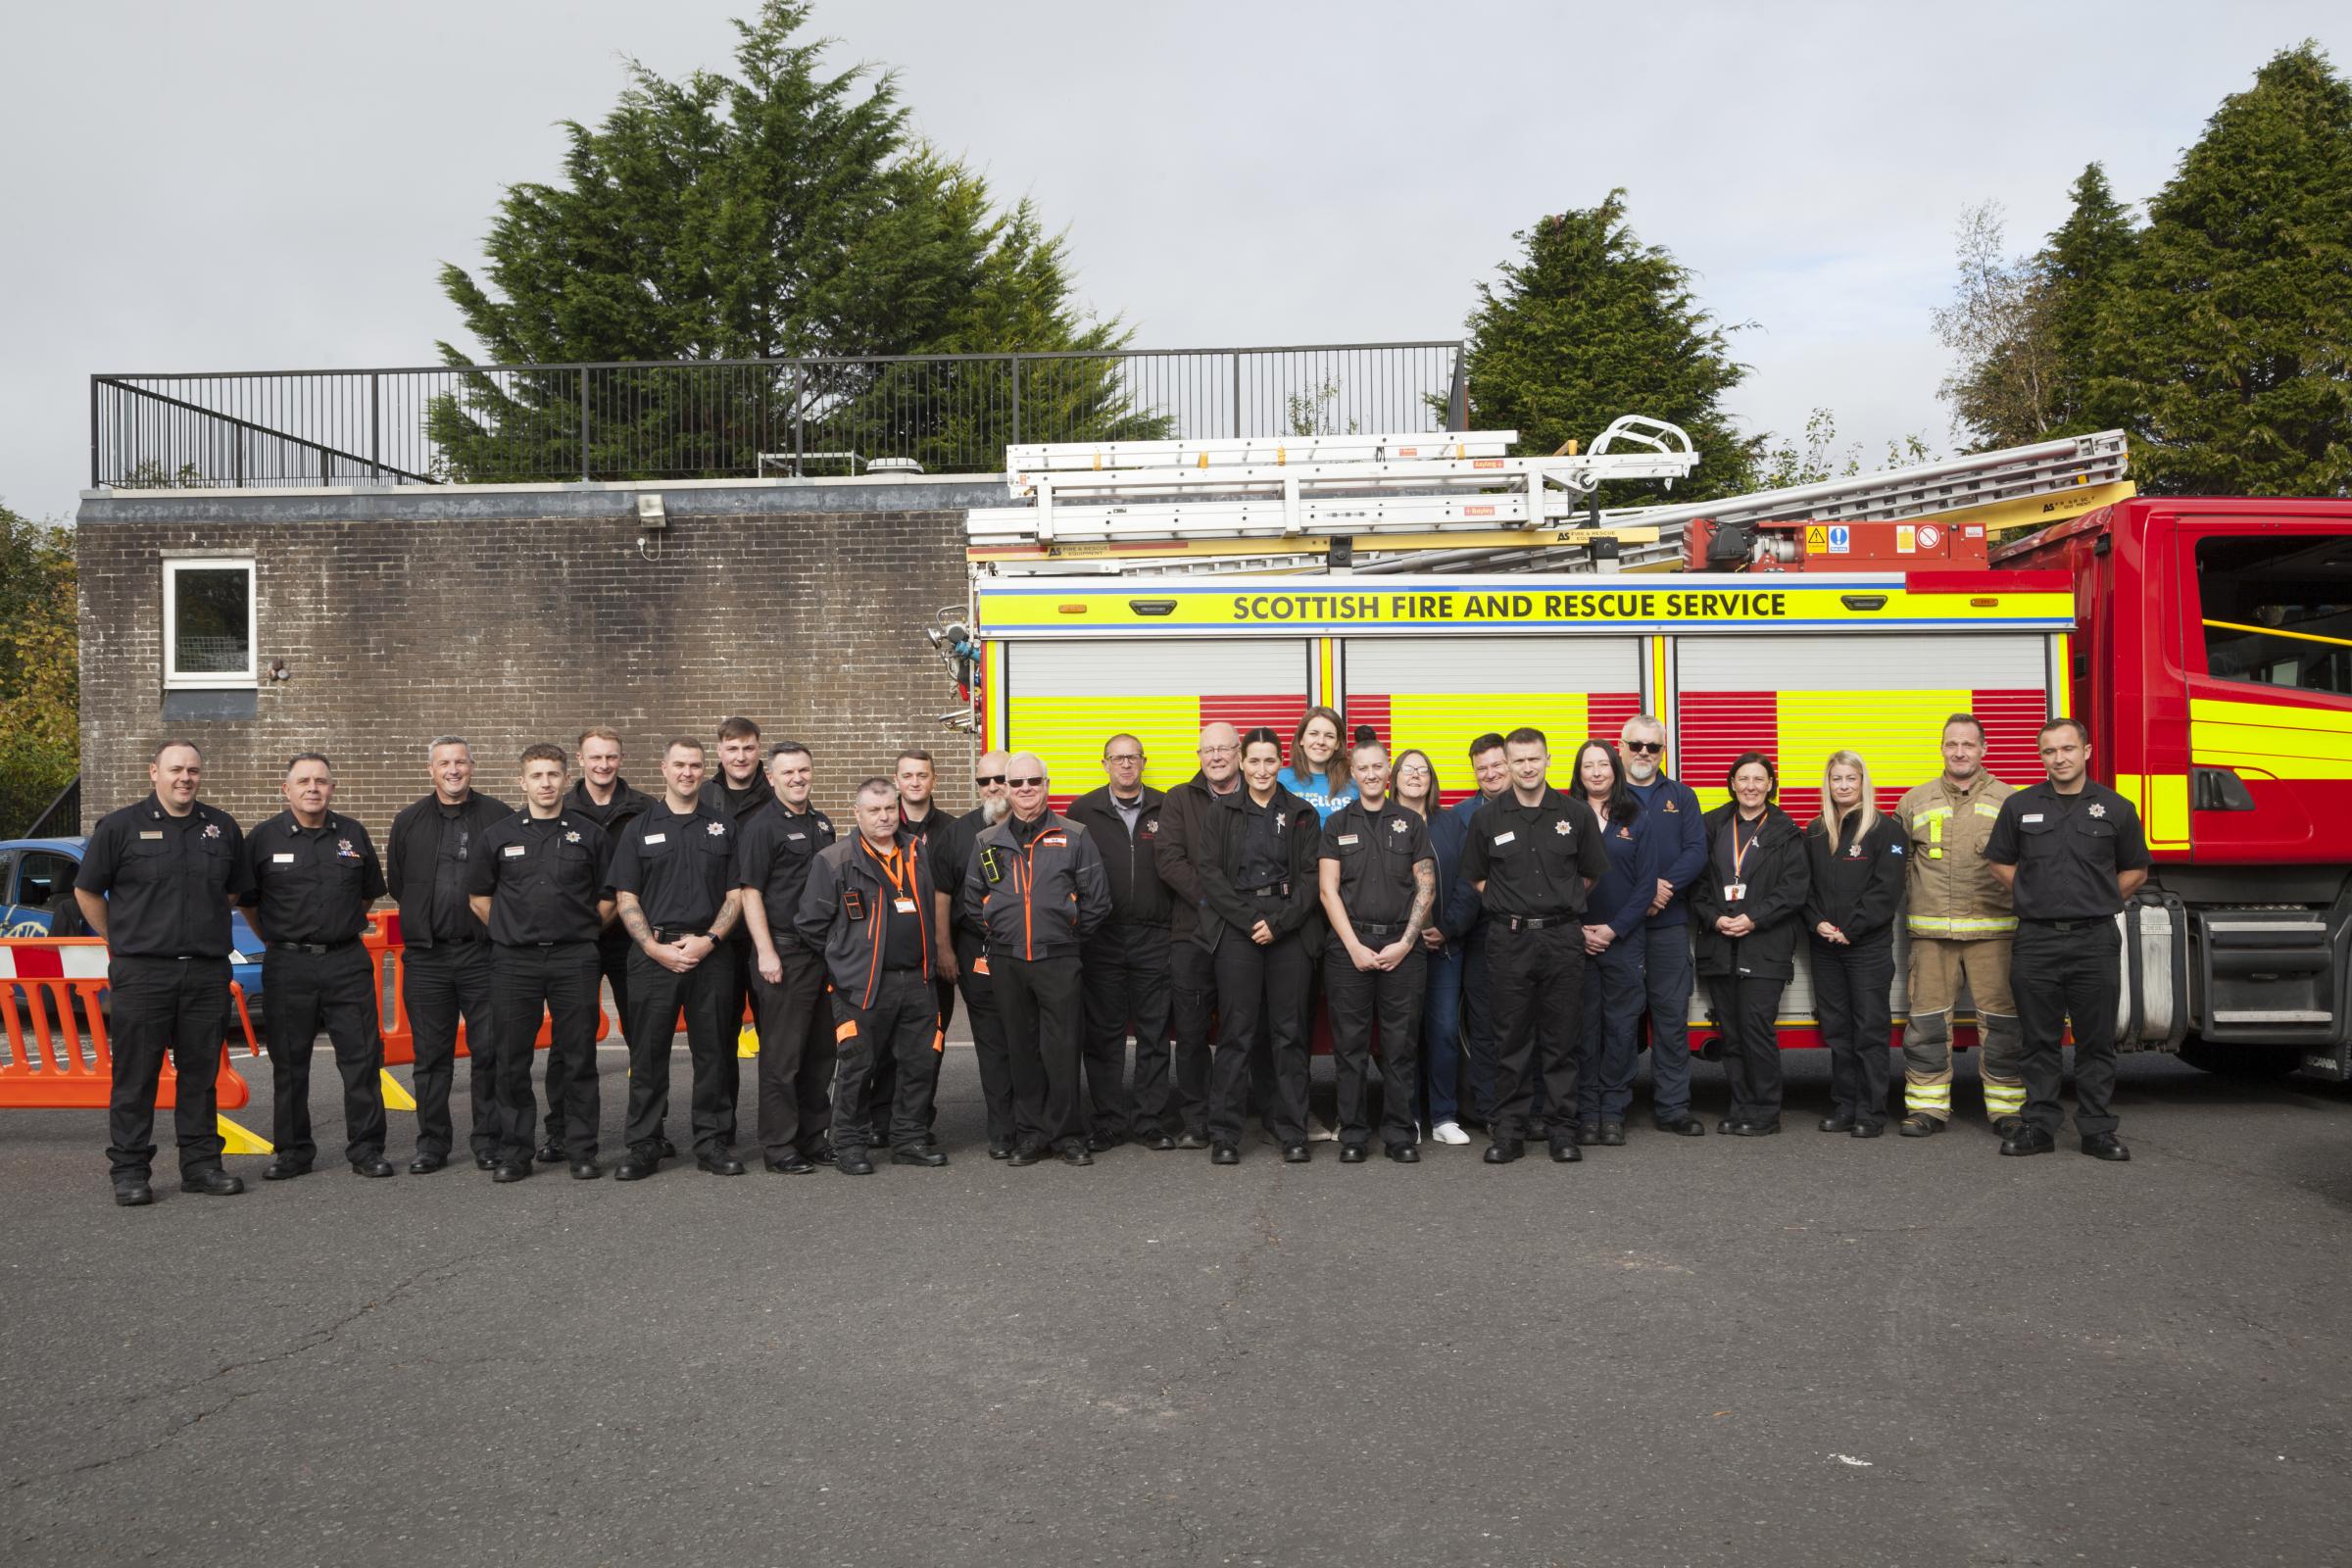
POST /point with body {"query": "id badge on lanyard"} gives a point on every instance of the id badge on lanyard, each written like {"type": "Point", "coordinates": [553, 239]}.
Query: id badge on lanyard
{"type": "Point", "coordinates": [1736, 888]}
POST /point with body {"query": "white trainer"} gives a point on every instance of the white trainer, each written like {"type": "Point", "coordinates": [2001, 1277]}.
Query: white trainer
{"type": "Point", "coordinates": [1449, 1132]}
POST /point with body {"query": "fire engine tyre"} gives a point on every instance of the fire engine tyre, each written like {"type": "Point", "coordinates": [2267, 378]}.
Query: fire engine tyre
{"type": "Point", "coordinates": [2255, 1062]}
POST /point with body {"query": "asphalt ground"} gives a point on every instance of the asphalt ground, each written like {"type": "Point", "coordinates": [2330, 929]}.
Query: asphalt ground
{"type": "Point", "coordinates": [1804, 1349]}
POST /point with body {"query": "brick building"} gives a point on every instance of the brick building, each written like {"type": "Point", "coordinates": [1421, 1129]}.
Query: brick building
{"type": "Point", "coordinates": [361, 622]}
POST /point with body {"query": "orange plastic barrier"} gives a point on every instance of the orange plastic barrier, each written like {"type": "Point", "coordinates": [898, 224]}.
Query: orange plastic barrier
{"type": "Point", "coordinates": [58, 1054]}
{"type": "Point", "coordinates": [385, 949]}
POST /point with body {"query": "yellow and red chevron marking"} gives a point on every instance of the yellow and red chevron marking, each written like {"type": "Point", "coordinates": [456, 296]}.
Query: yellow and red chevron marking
{"type": "Point", "coordinates": [1898, 734]}
{"type": "Point", "coordinates": [1445, 723]}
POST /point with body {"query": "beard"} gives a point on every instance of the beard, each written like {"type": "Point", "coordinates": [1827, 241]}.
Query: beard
{"type": "Point", "coordinates": [1641, 771]}
{"type": "Point", "coordinates": [993, 812]}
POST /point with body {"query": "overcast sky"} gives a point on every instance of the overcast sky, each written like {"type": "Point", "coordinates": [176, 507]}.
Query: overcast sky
{"type": "Point", "coordinates": [273, 185]}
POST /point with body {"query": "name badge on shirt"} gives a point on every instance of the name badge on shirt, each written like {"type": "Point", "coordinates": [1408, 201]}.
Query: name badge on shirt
{"type": "Point", "coordinates": [1346, 839]}
{"type": "Point", "coordinates": [153, 833]}
{"type": "Point", "coordinates": [281, 859]}
{"type": "Point", "coordinates": [902, 905]}
{"type": "Point", "coordinates": [796, 837]}
{"type": "Point", "coordinates": [515, 849]}
{"type": "Point", "coordinates": [1735, 891]}
{"type": "Point", "coordinates": [657, 837]}
{"type": "Point", "coordinates": [2031, 817]}
{"type": "Point", "coordinates": [1506, 838]}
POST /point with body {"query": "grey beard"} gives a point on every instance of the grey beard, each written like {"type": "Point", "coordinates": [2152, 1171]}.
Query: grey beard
{"type": "Point", "coordinates": [1641, 772]}
{"type": "Point", "coordinates": [994, 811]}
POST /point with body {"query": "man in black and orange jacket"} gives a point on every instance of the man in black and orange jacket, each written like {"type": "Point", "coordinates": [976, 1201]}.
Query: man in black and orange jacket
{"type": "Point", "coordinates": [868, 910]}
{"type": "Point", "coordinates": [1036, 886]}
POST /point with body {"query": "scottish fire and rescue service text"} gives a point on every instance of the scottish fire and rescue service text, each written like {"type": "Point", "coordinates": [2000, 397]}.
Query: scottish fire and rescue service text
{"type": "Point", "coordinates": [1608, 604]}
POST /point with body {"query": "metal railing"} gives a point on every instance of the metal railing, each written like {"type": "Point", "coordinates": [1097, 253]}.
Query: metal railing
{"type": "Point", "coordinates": [738, 419]}
{"type": "Point", "coordinates": [61, 817]}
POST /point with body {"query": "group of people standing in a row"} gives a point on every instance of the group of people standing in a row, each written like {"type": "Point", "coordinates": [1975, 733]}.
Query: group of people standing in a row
{"type": "Point", "coordinates": [1502, 951]}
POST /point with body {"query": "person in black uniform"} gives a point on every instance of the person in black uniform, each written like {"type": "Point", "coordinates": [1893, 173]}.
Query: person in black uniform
{"type": "Point", "coordinates": [2072, 853]}
{"type": "Point", "coordinates": [1749, 906]}
{"type": "Point", "coordinates": [1379, 881]}
{"type": "Point", "coordinates": [920, 817]}
{"type": "Point", "coordinates": [313, 873]}
{"type": "Point", "coordinates": [738, 794]}
{"type": "Point", "coordinates": [1532, 854]}
{"type": "Point", "coordinates": [963, 952]}
{"type": "Point", "coordinates": [538, 885]}
{"type": "Point", "coordinates": [868, 907]}
{"type": "Point", "coordinates": [604, 798]}
{"type": "Point", "coordinates": [1854, 888]}
{"type": "Point", "coordinates": [173, 866]}
{"type": "Point", "coordinates": [445, 957]}
{"type": "Point", "coordinates": [673, 883]}
{"type": "Point", "coordinates": [1258, 856]}
{"type": "Point", "coordinates": [1126, 960]}
{"type": "Point", "coordinates": [1192, 927]}
{"type": "Point", "coordinates": [773, 852]}
{"type": "Point", "coordinates": [1036, 886]}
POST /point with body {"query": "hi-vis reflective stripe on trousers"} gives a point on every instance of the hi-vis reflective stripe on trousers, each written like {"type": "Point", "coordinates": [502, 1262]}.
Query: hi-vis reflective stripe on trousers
{"type": "Point", "coordinates": [1960, 928]}
{"type": "Point", "coordinates": [1938, 969]}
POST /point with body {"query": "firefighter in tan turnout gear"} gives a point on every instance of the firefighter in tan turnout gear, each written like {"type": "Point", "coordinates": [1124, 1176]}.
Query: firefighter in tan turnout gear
{"type": "Point", "coordinates": [1960, 926]}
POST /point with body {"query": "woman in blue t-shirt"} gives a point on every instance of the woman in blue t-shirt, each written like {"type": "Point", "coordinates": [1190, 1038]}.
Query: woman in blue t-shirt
{"type": "Point", "coordinates": [1315, 774]}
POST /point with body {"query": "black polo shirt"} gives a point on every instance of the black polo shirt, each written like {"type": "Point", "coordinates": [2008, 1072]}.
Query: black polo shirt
{"type": "Point", "coordinates": [681, 868]}
{"type": "Point", "coordinates": [950, 849]}
{"type": "Point", "coordinates": [2067, 850]}
{"type": "Point", "coordinates": [1534, 859]}
{"type": "Point", "coordinates": [311, 884]}
{"type": "Point", "coordinates": [773, 851]}
{"type": "Point", "coordinates": [1377, 850]}
{"type": "Point", "coordinates": [544, 878]}
{"type": "Point", "coordinates": [167, 880]}
{"type": "Point", "coordinates": [1265, 860]}
{"type": "Point", "coordinates": [615, 814]}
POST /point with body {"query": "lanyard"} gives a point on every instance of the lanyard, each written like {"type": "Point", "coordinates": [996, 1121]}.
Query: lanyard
{"type": "Point", "coordinates": [1739, 849]}
{"type": "Point", "coordinates": [891, 865]}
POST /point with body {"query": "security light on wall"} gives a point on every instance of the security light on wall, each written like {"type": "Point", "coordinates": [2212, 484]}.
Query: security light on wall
{"type": "Point", "coordinates": [650, 514]}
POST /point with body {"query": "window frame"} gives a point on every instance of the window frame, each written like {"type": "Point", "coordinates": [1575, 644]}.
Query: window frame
{"type": "Point", "coordinates": [176, 679]}
{"type": "Point", "coordinates": [2197, 629]}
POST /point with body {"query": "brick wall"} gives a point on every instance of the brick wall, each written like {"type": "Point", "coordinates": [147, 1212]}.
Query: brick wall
{"type": "Point", "coordinates": [510, 628]}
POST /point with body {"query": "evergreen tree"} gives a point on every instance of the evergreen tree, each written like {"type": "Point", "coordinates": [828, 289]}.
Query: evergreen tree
{"type": "Point", "coordinates": [782, 212]}
{"type": "Point", "coordinates": [2228, 333]}
{"type": "Point", "coordinates": [40, 738]}
{"type": "Point", "coordinates": [2079, 268]}
{"type": "Point", "coordinates": [1590, 323]}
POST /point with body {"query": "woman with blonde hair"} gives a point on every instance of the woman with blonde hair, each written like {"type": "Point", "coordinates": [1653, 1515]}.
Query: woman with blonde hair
{"type": "Point", "coordinates": [1856, 856]}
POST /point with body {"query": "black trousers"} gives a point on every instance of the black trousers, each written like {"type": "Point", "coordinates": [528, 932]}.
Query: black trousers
{"type": "Point", "coordinates": [1192, 1008]}
{"type": "Point", "coordinates": [2056, 975]}
{"type": "Point", "coordinates": [1128, 984]}
{"type": "Point", "coordinates": [561, 980]}
{"type": "Point", "coordinates": [612, 951]}
{"type": "Point", "coordinates": [1746, 1008]}
{"type": "Point", "coordinates": [742, 998]}
{"type": "Point", "coordinates": [1852, 993]}
{"type": "Point", "coordinates": [1259, 1013]}
{"type": "Point", "coordinates": [882, 1090]}
{"type": "Point", "coordinates": [988, 1037]}
{"type": "Point", "coordinates": [1043, 1005]}
{"type": "Point", "coordinates": [1355, 999]}
{"type": "Point", "coordinates": [657, 996]}
{"type": "Point", "coordinates": [795, 1053]}
{"type": "Point", "coordinates": [1535, 981]}
{"type": "Point", "coordinates": [159, 1006]}
{"type": "Point", "coordinates": [902, 1024]}
{"type": "Point", "coordinates": [440, 984]}
{"type": "Point", "coordinates": [301, 992]}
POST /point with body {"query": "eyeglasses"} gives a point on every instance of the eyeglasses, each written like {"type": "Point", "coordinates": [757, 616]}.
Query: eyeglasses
{"type": "Point", "coordinates": [1645, 745]}
{"type": "Point", "coordinates": [986, 779]}
{"type": "Point", "coordinates": [1025, 783]}
{"type": "Point", "coordinates": [1219, 751]}
{"type": "Point", "coordinates": [1118, 761]}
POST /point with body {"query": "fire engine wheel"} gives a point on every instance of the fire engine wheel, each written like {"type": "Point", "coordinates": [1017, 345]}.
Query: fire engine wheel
{"type": "Point", "coordinates": [2241, 1061]}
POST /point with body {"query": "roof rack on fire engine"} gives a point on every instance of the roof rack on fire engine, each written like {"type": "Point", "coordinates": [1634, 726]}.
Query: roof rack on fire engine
{"type": "Point", "coordinates": [2009, 489]}
{"type": "Point", "coordinates": [1288, 487]}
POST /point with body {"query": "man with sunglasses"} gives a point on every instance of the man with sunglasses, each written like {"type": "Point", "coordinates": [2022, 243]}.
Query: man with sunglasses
{"type": "Point", "coordinates": [963, 947]}
{"type": "Point", "coordinates": [1036, 886]}
{"type": "Point", "coordinates": [1126, 960]}
{"type": "Point", "coordinates": [1192, 934]}
{"type": "Point", "coordinates": [1666, 960]}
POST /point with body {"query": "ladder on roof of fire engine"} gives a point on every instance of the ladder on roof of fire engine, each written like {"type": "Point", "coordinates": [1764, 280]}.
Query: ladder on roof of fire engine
{"type": "Point", "coordinates": [1285, 487]}
{"type": "Point", "coordinates": [2014, 488]}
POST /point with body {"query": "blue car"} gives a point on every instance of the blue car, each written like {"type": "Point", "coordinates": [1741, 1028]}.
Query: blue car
{"type": "Point", "coordinates": [37, 881]}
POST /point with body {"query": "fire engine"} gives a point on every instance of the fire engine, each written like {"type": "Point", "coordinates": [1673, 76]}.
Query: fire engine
{"type": "Point", "coordinates": [1437, 588]}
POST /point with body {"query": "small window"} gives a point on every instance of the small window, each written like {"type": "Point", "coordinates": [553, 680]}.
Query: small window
{"type": "Point", "coordinates": [2278, 610]}
{"type": "Point", "coordinates": [207, 622]}
{"type": "Point", "coordinates": [44, 876]}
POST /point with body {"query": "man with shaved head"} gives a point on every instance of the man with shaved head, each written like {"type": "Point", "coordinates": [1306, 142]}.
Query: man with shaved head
{"type": "Point", "coordinates": [963, 946]}
{"type": "Point", "coordinates": [1037, 886]}
{"type": "Point", "coordinates": [1192, 961]}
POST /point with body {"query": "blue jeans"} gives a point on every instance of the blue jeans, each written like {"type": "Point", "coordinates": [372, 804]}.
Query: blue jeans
{"type": "Point", "coordinates": [1614, 996]}
{"type": "Point", "coordinates": [1666, 972]}
{"type": "Point", "coordinates": [1441, 1034]}
{"type": "Point", "coordinates": [1478, 1046]}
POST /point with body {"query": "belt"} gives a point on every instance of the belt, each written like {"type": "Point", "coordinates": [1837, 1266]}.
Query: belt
{"type": "Point", "coordinates": [677, 933]}
{"type": "Point", "coordinates": [315, 947]}
{"type": "Point", "coordinates": [1535, 922]}
{"type": "Point", "coordinates": [1366, 928]}
{"type": "Point", "coordinates": [2081, 924]}
{"type": "Point", "coordinates": [1278, 890]}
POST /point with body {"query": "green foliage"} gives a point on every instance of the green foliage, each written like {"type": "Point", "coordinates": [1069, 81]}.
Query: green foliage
{"type": "Point", "coordinates": [2229, 332]}
{"type": "Point", "coordinates": [782, 212]}
{"type": "Point", "coordinates": [40, 735]}
{"type": "Point", "coordinates": [2079, 271]}
{"type": "Point", "coordinates": [2004, 390]}
{"type": "Point", "coordinates": [1589, 323]}
{"type": "Point", "coordinates": [1819, 460]}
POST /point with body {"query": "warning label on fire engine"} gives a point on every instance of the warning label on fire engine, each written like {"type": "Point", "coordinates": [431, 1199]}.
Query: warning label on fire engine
{"type": "Point", "coordinates": [1817, 540]}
